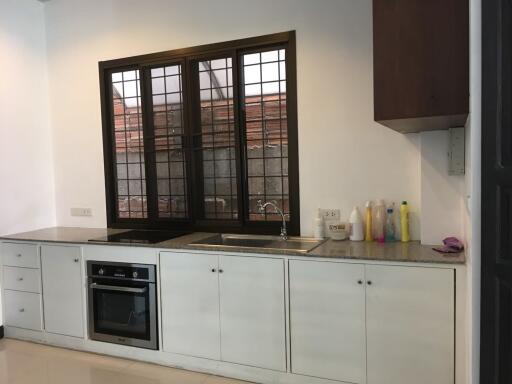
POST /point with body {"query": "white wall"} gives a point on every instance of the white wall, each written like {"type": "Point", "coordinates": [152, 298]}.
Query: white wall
{"type": "Point", "coordinates": [345, 157]}
{"type": "Point", "coordinates": [26, 161]}
{"type": "Point", "coordinates": [27, 198]}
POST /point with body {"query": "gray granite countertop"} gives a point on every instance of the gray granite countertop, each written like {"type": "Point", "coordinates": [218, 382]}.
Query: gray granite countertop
{"type": "Point", "coordinates": [63, 234]}
{"type": "Point", "coordinates": [412, 251]}
{"type": "Point", "coordinates": [399, 252]}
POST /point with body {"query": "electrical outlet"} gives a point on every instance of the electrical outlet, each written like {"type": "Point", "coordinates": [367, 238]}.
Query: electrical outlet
{"type": "Point", "coordinates": [330, 214]}
{"type": "Point", "coordinates": [81, 212]}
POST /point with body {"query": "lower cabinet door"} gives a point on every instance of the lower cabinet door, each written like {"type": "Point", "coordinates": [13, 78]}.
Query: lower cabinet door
{"type": "Point", "coordinates": [327, 320]}
{"type": "Point", "coordinates": [252, 311]}
{"type": "Point", "coordinates": [63, 304]}
{"type": "Point", "coordinates": [190, 304]}
{"type": "Point", "coordinates": [23, 310]}
{"type": "Point", "coordinates": [410, 325]}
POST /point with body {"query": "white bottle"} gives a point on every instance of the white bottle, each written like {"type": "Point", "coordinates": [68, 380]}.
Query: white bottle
{"type": "Point", "coordinates": [356, 225]}
{"type": "Point", "coordinates": [318, 226]}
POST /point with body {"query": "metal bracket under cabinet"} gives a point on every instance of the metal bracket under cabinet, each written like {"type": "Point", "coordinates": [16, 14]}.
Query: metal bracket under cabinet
{"type": "Point", "coordinates": [457, 154]}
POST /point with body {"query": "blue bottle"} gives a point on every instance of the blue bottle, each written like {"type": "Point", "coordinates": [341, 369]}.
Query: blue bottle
{"type": "Point", "coordinates": [390, 226]}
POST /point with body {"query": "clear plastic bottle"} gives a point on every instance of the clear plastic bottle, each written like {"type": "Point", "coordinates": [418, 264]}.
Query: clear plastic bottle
{"type": "Point", "coordinates": [318, 225]}
{"type": "Point", "coordinates": [379, 221]}
{"type": "Point", "coordinates": [390, 225]}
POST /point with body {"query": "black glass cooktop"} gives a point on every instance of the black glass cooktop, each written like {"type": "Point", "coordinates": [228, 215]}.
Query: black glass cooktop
{"type": "Point", "coordinates": [141, 237]}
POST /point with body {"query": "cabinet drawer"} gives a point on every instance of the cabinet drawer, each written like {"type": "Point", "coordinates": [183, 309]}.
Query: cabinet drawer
{"type": "Point", "coordinates": [20, 255]}
{"type": "Point", "coordinates": [22, 279]}
{"type": "Point", "coordinates": [23, 310]}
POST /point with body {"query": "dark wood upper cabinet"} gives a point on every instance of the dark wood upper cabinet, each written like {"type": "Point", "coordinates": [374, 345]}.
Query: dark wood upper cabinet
{"type": "Point", "coordinates": [421, 63]}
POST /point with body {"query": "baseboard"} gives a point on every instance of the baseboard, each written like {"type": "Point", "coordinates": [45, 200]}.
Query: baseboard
{"type": "Point", "coordinates": [1, 331]}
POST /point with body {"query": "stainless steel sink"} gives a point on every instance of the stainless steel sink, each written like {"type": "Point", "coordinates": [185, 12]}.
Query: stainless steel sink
{"type": "Point", "coordinates": [296, 244]}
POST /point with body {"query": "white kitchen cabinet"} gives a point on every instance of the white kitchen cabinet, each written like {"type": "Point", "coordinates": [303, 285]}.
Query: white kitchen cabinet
{"type": "Point", "coordinates": [224, 308]}
{"type": "Point", "coordinates": [22, 279]}
{"type": "Point", "coordinates": [23, 310]}
{"type": "Point", "coordinates": [349, 321]}
{"type": "Point", "coordinates": [61, 269]}
{"type": "Point", "coordinates": [327, 320]}
{"type": "Point", "coordinates": [20, 255]}
{"type": "Point", "coordinates": [190, 304]}
{"type": "Point", "coordinates": [252, 311]}
{"type": "Point", "coordinates": [410, 325]}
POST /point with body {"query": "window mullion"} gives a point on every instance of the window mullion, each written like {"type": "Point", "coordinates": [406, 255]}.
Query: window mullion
{"type": "Point", "coordinates": [149, 144]}
{"type": "Point", "coordinates": [188, 72]}
{"type": "Point", "coordinates": [241, 162]}
{"type": "Point", "coordinates": [194, 138]}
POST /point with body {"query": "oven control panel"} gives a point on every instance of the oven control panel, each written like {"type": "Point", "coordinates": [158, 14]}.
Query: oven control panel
{"type": "Point", "coordinates": [122, 271]}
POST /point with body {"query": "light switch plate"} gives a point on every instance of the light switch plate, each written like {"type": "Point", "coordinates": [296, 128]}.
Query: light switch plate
{"type": "Point", "coordinates": [330, 214]}
{"type": "Point", "coordinates": [81, 212]}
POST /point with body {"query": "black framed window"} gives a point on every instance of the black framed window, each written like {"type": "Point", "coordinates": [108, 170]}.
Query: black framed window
{"type": "Point", "coordinates": [195, 138]}
{"type": "Point", "coordinates": [266, 131]}
{"type": "Point", "coordinates": [167, 130]}
{"type": "Point", "coordinates": [128, 147]}
{"type": "Point", "coordinates": [217, 152]}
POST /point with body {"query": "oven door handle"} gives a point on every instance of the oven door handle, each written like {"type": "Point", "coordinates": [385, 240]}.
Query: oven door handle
{"type": "Point", "coordinates": [116, 288]}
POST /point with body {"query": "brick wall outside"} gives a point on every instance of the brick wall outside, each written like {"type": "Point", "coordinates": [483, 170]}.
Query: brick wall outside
{"type": "Point", "coordinates": [264, 139]}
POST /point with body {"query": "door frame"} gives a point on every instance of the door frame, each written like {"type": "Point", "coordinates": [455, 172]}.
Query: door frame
{"type": "Point", "coordinates": [496, 187]}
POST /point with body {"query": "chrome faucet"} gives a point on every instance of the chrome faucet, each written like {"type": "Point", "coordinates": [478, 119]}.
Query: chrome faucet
{"type": "Point", "coordinates": [262, 207]}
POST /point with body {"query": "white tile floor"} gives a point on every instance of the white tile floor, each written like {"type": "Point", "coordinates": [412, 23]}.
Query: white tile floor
{"type": "Point", "coordinates": [28, 363]}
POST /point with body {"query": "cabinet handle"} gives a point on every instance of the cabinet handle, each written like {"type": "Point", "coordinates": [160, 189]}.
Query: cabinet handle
{"type": "Point", "coordinates": [369, 282]}
{"type": "Point", "coordinates": [22, 310]}
{"type": "Point", "coordinates": [77, 260]}
{"type": "Point", "coordinates": [221, 271]}
{"type": "Point", "coordinates": [214, 270]}
{"type": "Point", "coordinates": [18, 255]}
{"type": "Point", "coordinates": [359, 282]}
{"type": "Point", "coordinates": [20, 278]}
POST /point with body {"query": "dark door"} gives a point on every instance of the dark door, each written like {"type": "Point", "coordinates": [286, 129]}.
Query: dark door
{"type": "Point", "coordinates": [496, 312]}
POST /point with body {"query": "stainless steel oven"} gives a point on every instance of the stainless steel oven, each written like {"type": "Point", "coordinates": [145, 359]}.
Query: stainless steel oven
{"type": "Point", "coordinates": [122, 303]}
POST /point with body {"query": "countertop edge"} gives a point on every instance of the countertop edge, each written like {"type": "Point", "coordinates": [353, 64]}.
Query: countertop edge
{"type": "Point", "coordinates": [328, 250]}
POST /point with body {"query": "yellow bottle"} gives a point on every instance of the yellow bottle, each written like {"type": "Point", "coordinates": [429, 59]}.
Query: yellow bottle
{"type": "Point", "coordinates": [404, 221]}
{"type": "Point", "coordinates": [368, 231]}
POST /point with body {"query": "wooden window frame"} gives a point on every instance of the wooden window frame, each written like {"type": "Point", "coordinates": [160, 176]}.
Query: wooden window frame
{"type": "Point", "coordinates": [187, 57]}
